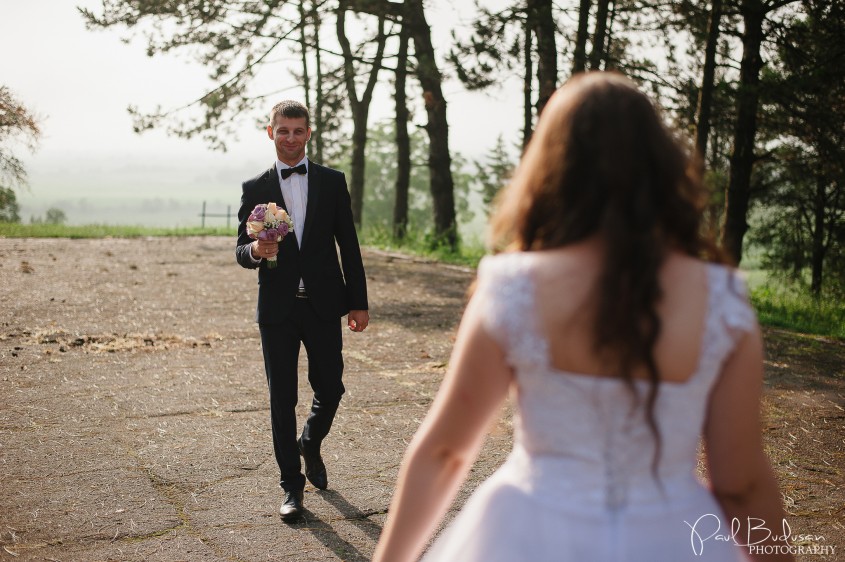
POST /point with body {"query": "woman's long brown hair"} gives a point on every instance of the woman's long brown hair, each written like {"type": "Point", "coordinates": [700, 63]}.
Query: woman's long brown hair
{"type": "Point", "coordinates": [602, 162]}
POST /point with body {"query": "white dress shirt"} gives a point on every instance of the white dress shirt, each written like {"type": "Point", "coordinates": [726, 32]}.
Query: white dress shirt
{"type": "Point", "coordinates": [295, 193]}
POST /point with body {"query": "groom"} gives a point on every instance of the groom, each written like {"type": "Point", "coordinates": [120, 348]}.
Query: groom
{"type": "Point", "coordinates": [303, 298]}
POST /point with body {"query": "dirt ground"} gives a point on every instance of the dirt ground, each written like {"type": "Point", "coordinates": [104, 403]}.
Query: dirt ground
{"type": "Point", "coordinates": [134, 423]}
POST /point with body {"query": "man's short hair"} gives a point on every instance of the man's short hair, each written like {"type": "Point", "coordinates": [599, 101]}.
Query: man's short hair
{"type": "Point", "coordinates": [290, 109]}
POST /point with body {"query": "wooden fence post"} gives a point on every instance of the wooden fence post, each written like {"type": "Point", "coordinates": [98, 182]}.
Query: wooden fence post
{"type": "Point", "coordinates": [228, 215]}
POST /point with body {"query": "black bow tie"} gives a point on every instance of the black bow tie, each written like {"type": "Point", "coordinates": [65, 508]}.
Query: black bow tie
{"type": "Point", "coordinates": [301, 169]}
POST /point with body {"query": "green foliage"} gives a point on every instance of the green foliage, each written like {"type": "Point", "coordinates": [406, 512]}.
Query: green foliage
{"type": "Point", "coordinates": [493, 171]}
{"type": "Point", "coordinates": [53, 216]}
{"type": "Point", "coordinates": [794, 310]}
{"type": "Point", "coordinates": [20, 230]}
{"type": "Point", "coordinates": [17, 124]}
{"type": "Point", "coordinates": [330, 134]}
{"type": "Point", "coordinates": [380, 178]}
{"type": "Point", "coordinates": [465, 187]}
{"type": "Point", "coordinates": [421, 244]}
{"type": "Point", "coordinates": [801, 221]}
{"type": "Point", "coordinates": [380, 174]}
{"type": "Point", "coordinates": [493, 49]}
{"type": "Point", "coordinates": [9, 208]}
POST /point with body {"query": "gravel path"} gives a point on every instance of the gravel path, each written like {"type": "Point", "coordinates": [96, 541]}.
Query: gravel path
{"type": "Point", "coordinates": [134, 423]}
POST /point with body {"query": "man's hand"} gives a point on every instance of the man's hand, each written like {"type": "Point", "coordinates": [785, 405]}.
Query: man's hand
{"type": "Point", "coordinates": [358, 320]}
{"type": "Point", "coordinates": [264, 249]}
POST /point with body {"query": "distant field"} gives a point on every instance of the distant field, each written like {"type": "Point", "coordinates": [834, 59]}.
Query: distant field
{"type": "Point", "coordinates": [20, 230]}
{"type": "Point", "coordinates": [133, 210]}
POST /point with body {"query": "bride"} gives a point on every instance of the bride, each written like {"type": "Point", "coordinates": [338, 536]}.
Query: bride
{"type": "Point", "coordinates": [623, 341]}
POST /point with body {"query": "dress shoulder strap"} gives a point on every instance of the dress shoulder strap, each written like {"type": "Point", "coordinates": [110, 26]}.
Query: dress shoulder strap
{"type": "Point", "coordinates": [729, 318]}
{"type": "Point", "coordinates": [506, 291]}
{"type": "Point", "coordinates": [729, 296]}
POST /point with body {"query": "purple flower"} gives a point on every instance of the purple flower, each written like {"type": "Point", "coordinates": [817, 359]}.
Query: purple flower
{"type": "Point", "coordinates": [263, 235]}
{"type": "Point", "coordinates": [258, 213]}
{"type": "Point", "coordinates": [283, 229]}
{"type": "Point", "coordinates": [272, 233]}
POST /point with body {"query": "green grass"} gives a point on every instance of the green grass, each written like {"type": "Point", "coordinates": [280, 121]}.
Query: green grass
{"type": "Point", "coordinates": [20, 230]}
{"type": "Point", "coordinates": [422, 245]}
{"type": "Point", "coordinates": [799, 312]}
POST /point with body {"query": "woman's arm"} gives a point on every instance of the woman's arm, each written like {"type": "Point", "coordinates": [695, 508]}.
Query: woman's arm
{"type": "Point", "coordinates": [447, 442]}
{"type": "Point", "coordinates": [740, 473]}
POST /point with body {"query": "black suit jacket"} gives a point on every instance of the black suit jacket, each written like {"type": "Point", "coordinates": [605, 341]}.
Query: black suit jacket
{"type": "Point", "coordinates": [334, 287]}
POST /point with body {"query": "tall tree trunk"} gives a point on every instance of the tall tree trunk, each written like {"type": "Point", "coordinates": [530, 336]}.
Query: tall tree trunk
{"type": "Point", "coordinates": [819, 231]}
{"type": "Point", "coordinates": [543, 24]}
{"type": "Point", "coordinates": [303, 45]}
{"type": "Point", "coordinates": [597, 54]}
{"type": "Point", "coordinates": [360, 109]}
{"type": "Point", "coordinates": [745, 130]}
{"type": "Point", "coordinates": [608, 62]}
{"type": "Point", "coordinates": [440, 159]}
{"type": "Point", "coordinates": [705, 94]}
{"type": "Point", "coordinates": [403, 141]}
{"type": "Point", "coordinates": [527, 113]}
{"type": "Point", "coordinates": [318, 110]}
{"type": "Point", "coordinates": [358, 163]}
{"type": "Point", "coordinates": [579, 58]}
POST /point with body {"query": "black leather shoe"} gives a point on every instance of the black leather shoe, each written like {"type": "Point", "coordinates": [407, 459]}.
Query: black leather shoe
{"type": "Point", "coordinates": [315, 470]}
{"type": "Point", "coordinates": [291, 509]}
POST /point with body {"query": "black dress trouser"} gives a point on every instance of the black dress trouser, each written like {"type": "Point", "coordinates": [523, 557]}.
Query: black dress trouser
{"type": "Point", "coordinates": [280, 343]}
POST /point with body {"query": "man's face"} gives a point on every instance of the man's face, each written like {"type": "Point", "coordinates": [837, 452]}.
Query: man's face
{"type": "Point", "coordinates": [290, 135]}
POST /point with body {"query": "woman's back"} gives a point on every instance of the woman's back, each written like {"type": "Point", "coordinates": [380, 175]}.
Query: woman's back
{"type": "Point", "coordinates": [583, 451]}
{"type": "Point", "coordinates": [565, 298]}
{"type": "Point", "coordinates": [540, 316]}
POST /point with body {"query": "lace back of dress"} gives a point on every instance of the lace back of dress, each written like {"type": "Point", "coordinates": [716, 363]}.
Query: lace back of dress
{"type": "Point", "coordinates": [507, 287]}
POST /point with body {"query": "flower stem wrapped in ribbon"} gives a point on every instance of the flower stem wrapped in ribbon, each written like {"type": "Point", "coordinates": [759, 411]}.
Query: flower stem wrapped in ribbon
{"type": "Point", "coordinates": [270, 222]}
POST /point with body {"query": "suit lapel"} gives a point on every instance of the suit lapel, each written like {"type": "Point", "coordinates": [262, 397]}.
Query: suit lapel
{"type": "Point", "coordinates": [313, 195]}
{"type": "Point", "coordinates": [274, 188]}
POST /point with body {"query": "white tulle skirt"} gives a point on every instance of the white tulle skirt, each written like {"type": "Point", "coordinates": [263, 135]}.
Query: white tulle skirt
{"type": "Point", "coordinates": [508, 520]}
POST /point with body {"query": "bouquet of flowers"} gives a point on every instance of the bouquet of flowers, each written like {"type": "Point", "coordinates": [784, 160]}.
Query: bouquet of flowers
{"type": "Point", "coordinates": [268, 221]}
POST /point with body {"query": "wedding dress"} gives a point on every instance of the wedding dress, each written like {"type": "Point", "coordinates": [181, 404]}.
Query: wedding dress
{"type": "Point", "coordinates": [579, 484]}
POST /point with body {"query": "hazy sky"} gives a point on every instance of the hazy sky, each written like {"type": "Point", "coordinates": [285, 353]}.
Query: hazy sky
{"type": "Point", "coordinates": [79, 83]}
